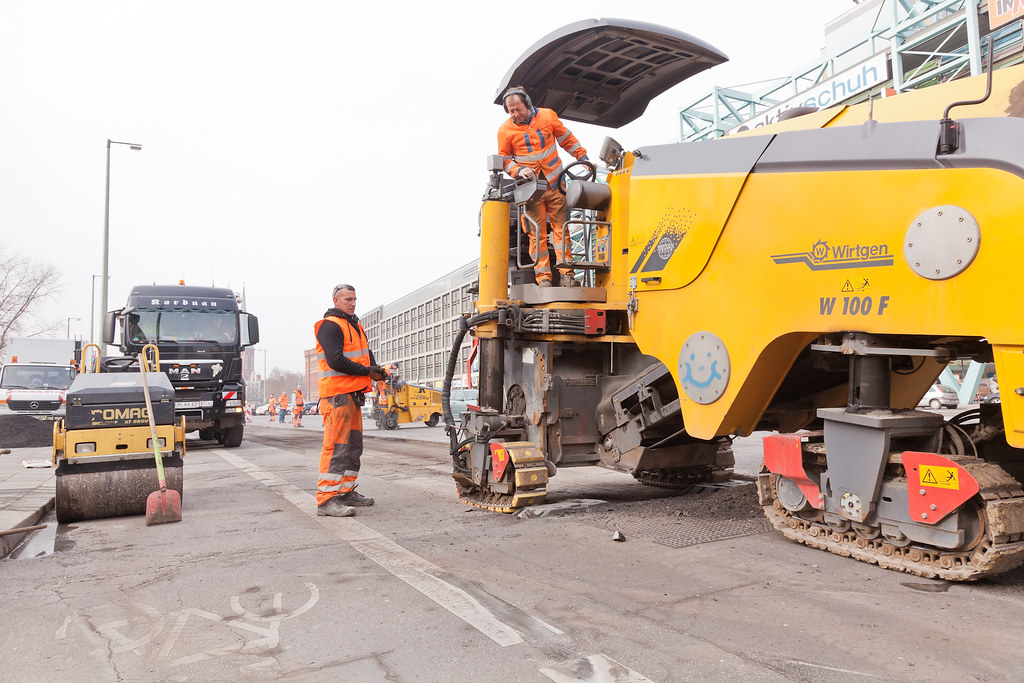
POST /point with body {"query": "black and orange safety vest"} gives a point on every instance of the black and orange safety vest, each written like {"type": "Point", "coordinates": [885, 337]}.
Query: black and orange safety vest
{"type": "Point", "coordinates": [356, 349]}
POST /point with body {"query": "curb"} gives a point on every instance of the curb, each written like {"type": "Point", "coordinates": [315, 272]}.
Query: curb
{"type": "Point", "coordinates": [9, 542]}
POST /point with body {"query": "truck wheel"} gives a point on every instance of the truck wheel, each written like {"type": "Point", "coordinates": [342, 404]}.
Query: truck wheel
{"type": "Point", "coordinates": [391, 422]}
{"type": "Point", "coordinates": [434, 419]}
{"type": "Point", "coordinates": [233, 436]}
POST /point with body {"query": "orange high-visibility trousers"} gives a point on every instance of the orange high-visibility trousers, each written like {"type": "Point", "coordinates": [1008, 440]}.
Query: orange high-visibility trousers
{"type": "Point", "coordinates": [297, 416]}
{"type": "Point", "coordinates": [343, 446]}
{"type": "Point", "coordinates": [272, 408]}
{"type": "Point", "coordinates": [550, 205]}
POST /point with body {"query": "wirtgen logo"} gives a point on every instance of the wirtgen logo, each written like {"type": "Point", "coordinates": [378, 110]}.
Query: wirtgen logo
{"type": "Point", "coordinates": [825, 257]}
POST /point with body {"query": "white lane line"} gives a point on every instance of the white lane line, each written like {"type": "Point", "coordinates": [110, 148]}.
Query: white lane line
{"type": "Point", "coordinates": [593, 669]}
{"type": "Point", "coordinates": [422, 575]}
{"type": "Point", "coordinates": [831, 668]}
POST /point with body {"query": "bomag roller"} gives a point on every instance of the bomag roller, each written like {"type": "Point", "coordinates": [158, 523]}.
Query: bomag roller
{"type": "Point", "coordinates": [103, 447]}
{"type": "Point", "coordinates": [811, 278]}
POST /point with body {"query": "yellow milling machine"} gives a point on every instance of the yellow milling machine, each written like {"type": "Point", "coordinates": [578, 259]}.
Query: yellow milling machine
{"type": "Point", "coordinates": [812, 278]}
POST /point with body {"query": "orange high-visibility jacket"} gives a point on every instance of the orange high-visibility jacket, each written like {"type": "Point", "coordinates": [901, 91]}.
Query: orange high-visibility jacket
{"type": "Point", "coordinates": [283, 402]}
{"type": "Point", "coordinates": [356, 349]}
{"type": "Point", "coordinates": [298, 397]}
{"type": "Point", "coordinates": [533, 144]}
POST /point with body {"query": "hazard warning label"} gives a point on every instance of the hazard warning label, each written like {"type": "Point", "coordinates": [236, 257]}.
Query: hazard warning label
{"type": "Point", "coordinates": [940, 477]}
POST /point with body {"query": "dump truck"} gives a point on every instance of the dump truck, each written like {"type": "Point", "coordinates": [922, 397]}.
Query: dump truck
{"type": "Point", "coordinates": [811, 278]}
{"type": "Point", "coordinates": [396, 403]}
{"type": "Point", "coordinates": [200, 333]}
{"type": "Point", "coordinates": [103, 448]}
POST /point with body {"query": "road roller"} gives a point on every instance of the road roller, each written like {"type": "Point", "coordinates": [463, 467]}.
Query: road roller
{"type": "Point", "coordinates": [103, 449]}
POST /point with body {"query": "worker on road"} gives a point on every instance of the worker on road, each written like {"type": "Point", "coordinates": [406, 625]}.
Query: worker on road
{"type": "Point", "coordinates": [282, 407]}
{"type": "Point", "coordinates": [347, 372]}
{"type": "Point", "coordinates": [299, 406]}
{"type": "Point", "coordinates": [272, 407]}
{"type": "Point", "coordinates": [527, 141]}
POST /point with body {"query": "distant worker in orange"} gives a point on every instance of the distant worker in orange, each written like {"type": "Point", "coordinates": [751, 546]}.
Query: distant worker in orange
{"type": "Point", "coordinates": [347, 373]}
{"type": "Point", "coordinates": [282, 407]}
{"type": "Point", "coordinates": [272, 407]}
{"type": "Point", "coordinates": [527, 141]}
{"type": "Point", "coordinates": [299, 406]}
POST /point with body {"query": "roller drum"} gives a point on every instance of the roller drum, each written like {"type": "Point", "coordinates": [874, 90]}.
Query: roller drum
{"type": "Point", "coordinates": [111, 489]}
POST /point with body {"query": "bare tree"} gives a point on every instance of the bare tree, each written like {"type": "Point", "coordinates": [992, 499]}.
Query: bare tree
{"type": "Point", "coordinates": [24, 286]}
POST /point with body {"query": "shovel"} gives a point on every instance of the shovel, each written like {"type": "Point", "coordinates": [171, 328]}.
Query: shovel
{"type": "Point", "coordinates": [162, 506]}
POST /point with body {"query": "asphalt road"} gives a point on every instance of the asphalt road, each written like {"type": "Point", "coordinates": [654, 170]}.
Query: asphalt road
{"type": "Point", "coordinates": [420, 587]}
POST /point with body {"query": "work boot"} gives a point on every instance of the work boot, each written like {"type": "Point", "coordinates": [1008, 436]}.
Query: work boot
{"type": "Point", "coordinates": [334, 507]}
{"type": "Point", "coordinates": [566, 280]}
{"type": "Point", "coordinates": [354, 498]}
{"type": "Point", "coordinates": [544, 283]}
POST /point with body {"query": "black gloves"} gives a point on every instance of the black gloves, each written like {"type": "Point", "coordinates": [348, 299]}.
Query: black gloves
{"type": "Point", "coordinates": [377, 373]}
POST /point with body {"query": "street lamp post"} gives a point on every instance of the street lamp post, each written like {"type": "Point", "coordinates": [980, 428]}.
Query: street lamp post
{"type": "Point", "coordinates": [69, 326]}
{"type": "Point", "coordinates": [92, 311]}
{"type": "Point", "coordinates": [106, 225]}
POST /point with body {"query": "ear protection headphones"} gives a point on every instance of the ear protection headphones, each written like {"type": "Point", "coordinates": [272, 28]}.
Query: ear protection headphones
{"type": "Point", "coordinates": [516, 91]}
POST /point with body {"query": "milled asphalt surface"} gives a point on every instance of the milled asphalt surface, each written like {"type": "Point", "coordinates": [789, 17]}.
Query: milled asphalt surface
{"type": "Point", "coordinates": [27, 493]}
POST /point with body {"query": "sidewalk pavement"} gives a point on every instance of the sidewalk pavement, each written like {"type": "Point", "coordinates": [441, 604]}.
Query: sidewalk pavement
{"type": "Point", "coordinates": [27, 493]}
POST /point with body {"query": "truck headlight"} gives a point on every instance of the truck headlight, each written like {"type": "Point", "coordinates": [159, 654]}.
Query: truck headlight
{"type": "Point", "coordinates": [238, 409]}
{"type": "Point", "coordinates": [161, 440]}
{"type": "Point", "coordinates": [233, 402]}
{"type": "Point", "coordinates": [85, 447]}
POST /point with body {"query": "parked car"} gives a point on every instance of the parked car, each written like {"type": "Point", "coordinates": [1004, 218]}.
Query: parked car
{"type": "Point", "coordinates": [991, 398]}
{"type": "Point", "coordinates": [940, 396]}
{"type": "Point", "coordinates": [460, 398]}
{"type": "Point", "coordinates": [311, 408]}
{"type": "Point", "coordinates": [262, 409]}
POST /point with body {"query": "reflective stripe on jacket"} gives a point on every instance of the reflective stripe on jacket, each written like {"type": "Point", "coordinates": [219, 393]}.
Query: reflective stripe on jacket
{"type": "Point", "coordinates": [533, 144]}
{"type": "Point", "coordinates": [298, 398]}
{"type": "Point", "coordinates": [283, 402]}
{"type": "Point", "coordinates": [356, 349]}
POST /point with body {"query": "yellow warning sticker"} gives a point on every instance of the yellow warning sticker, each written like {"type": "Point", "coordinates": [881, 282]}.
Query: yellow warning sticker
{"type": "Point", "coordinates": [939, 477]}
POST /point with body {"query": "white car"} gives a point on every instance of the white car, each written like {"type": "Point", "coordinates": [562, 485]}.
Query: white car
{"type": "Point", "coordinates": [939, 396]}
{"type": "Point", "coordinates": [261, 409]}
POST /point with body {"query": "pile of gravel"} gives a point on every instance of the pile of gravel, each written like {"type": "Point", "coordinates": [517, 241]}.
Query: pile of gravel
{"type": "Point", "coordinates": [25, 431]}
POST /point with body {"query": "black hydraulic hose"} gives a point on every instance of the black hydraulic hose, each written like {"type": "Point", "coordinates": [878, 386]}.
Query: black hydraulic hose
{"type": "Point", "coordinates": [446, 387]}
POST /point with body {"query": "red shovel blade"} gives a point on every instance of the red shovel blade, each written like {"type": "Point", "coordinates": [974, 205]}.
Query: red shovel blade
{"type": "Point", "coordinates": [162, 507]}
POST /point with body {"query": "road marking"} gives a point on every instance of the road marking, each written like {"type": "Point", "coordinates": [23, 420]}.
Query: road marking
{"type": "Point", "coordinates": [831, 668]}
{"type": "Point", "coordinates": [593, 669]}
{"type": "Point", "coordinates": [422, 575]}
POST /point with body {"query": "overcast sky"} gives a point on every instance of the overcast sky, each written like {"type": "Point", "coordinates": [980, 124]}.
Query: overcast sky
{"type": "Point", "coordinates": [290, 146]}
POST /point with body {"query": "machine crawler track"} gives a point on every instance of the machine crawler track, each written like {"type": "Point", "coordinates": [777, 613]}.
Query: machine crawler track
{"type": "Point", "coordinates": [998, 548]}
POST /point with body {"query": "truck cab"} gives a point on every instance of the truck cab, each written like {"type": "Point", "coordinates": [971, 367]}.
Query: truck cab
{"type": "Point", "coordinates": [200, 333]}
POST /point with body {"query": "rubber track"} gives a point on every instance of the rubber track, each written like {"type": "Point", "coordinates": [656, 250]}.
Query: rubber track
{"type": "Point", "coordinates": [1002, 500]}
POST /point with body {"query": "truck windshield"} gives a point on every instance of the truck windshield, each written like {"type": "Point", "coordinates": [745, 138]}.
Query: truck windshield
{"type": "Point", "coordinates": [183, 327]}
{"type": "Point", "coordinates": [36, 377]}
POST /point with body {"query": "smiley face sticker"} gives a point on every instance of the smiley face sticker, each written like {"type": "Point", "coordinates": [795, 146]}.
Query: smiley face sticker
{"type": "Point", "coordinates": [704, 367]}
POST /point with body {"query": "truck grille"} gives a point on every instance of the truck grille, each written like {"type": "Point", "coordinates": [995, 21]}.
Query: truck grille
{"type": "Point", "coordinates": [42, 406]}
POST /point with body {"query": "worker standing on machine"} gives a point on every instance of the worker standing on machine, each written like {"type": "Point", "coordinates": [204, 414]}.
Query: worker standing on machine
{"type": "Point", "coordinates": [299, 405]}
{"type": "Point", "coordinates": [527, 143]}
{"type": "Point", "coordinates": [347, 372]}
{"type": "Point", "coordinates": [282, 407]}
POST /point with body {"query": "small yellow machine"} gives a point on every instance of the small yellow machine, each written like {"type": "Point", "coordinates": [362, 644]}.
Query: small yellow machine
{"type": "Point", "coordinates": [103, 447]}
{"type": "Point", "coordinates": [399, 403]}
{"type": "Point", "coordinates": [810, 278]}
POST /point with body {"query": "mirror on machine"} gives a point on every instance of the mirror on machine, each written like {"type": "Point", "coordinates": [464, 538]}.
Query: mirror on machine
{"type": "Point", "coordinates": [611, 153]}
